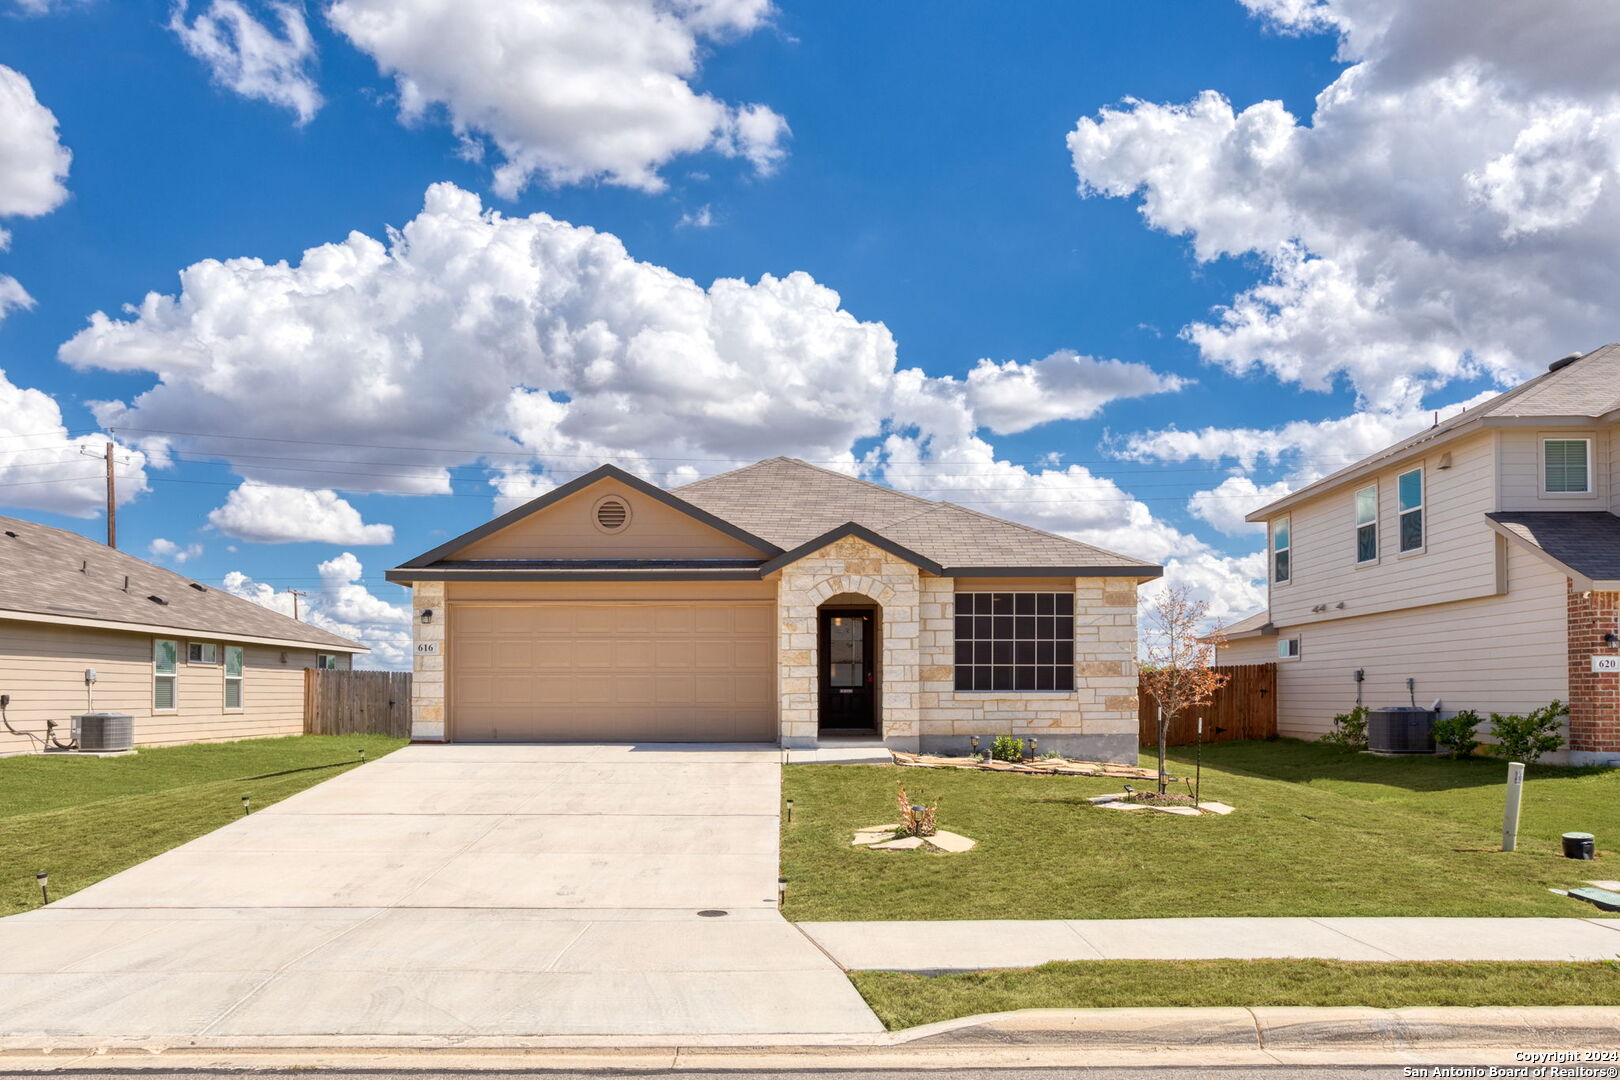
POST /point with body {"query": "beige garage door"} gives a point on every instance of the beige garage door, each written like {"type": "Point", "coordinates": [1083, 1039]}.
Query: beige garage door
{"type": "Point", "coordinates": [667, 672]}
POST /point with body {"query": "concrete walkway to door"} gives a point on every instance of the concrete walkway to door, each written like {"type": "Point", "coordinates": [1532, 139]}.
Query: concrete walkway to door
{"type": "Point", "coordinates": [463, 891]}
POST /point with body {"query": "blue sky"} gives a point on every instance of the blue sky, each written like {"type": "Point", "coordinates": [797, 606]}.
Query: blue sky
{"type": "Point", "coordinates": [1068, 191]}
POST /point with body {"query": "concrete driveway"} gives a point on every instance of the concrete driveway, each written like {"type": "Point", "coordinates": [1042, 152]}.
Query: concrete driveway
{"type": "Point", "coordinates": [462, 891]}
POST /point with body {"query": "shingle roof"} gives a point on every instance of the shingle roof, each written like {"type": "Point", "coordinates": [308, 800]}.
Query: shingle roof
{"type": "Point", "coordinates": [53, 572]}
{"type": "Point", "coordinates": [790, 502]}
{"type": "Point", "coordinates": [1585, 388]}
{"type": "Point", "coordinates": [1253, 624]}
{"type": "Point", "coordinates": [1586, 541]}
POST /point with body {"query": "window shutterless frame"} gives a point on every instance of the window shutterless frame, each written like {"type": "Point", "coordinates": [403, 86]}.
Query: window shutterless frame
{"type": "Point", "coordinates": [1367, 525]}
{"type": "Point", "coordinates": [165, 675]}
{"type": "Point", "coordinates": [326, 661]}
{"type": "Point", "coordinates": [1566, 466]}
{"type": "Point", "coordinates": [1409, 489]}
{"type": "Point", "coordinates": [233, 677]}
{"type": "Point", "coordinates": [1288, 648]}
{"type": "Point", "coordinates": [1282, 568]}
{"type": "Point", "coordinates": [1017, 641]}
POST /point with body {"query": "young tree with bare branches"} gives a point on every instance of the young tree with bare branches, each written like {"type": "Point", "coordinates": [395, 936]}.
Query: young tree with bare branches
{"type": "Point", "coordinates": [1180, 669]}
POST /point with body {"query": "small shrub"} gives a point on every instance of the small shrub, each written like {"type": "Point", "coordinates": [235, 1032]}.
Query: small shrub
{"type": "Point", "coordinates": [1526, 738]}
{"type": "Point", "coordinates": [1454, 735]}
{"type": "Point", "coordinates": [1051, 755]}
{"type": "Point", "coordinates": [1349, 730]}
{"type": "Point", "coordinates": [1007, 748]}
{"type": "Point", "coordinates": [915, 818]}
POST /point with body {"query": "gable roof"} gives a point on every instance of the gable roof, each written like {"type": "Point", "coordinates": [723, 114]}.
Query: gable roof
{"type": "Point", "coordinates": [787, 508]}
{"type": "Point", "coordinates": [1580, 391]}
{"type": "Point", "coordinates": [1250, 626]}
{"type": "Point", "coordinates": [56, 576]}
{"type": "Point", "coordinates": [793, 503]}
{"type": "Point", "coordinates": [604, 472]}
{"type": "Point", "coordinates": [1583, 543]}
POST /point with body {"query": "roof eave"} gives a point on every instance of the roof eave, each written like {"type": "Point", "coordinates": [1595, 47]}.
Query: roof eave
{"type": "Point", "coordinates": [1145, 572]}
{"type": "Point", "coordinates": [405, 575]}
{"type": "Point", "coordinates": [182, 631]}
{"type": "Point", "coordinates": [860, 532]}
{"type": "Point", "coordinates": [1578, 581]}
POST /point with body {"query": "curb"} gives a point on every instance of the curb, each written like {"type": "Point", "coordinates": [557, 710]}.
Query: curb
{"type": "Point", "coordinates": [1031, 1038]}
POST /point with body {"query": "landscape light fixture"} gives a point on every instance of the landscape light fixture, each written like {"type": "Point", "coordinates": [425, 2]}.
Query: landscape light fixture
{"type": "Point", "coordinates": [781, 891]}
{"type": "Point", "coordinates": [1032, 753]}
{"type": "Point", "coordinates": [244, 806]}
{"type": "Point", "coordinates": [44, 880]}
{"type": "Point", "coordinates": [790, 811]}
{"type": "Point", "coordinates": [362, 755]}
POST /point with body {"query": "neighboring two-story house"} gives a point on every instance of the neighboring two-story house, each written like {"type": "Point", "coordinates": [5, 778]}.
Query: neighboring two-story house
{"type": "Point", "coordinates": [1480, 560]}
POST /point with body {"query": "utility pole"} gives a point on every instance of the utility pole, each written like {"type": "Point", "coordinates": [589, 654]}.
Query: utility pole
{"type": "Point", "coordinates": [295, 595]}
{"type": "Point", "coordinates": [112, 500]}
{"type": "Point", "coordinates": [110, 455]}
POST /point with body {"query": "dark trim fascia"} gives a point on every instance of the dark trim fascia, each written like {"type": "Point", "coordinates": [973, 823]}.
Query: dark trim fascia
{"type": "Point", "coordinates": [404, 575]}
{"type": "Point", "coordinates": [580, 483]}
{"type": "Point", "coordinates": [860, 532]}
{"type": "Point", "coordinates": [1149, 572]}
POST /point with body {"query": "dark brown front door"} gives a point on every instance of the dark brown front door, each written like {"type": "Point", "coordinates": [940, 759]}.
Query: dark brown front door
{"type": "Point", "coordinates": [848, 690]}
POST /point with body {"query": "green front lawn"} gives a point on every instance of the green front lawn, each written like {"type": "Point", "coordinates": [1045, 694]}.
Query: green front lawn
{"type": "Point", "coordinates": [1317, 832]}
{"type": "Point", "coordinates": [84, 819]}
{"type": "Point", "coordinates": [903, 1001]}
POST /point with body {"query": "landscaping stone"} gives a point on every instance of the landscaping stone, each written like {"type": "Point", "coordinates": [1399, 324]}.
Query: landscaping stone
{"type": "Point", "coordinates": [1612, 886]}
{"type": "Point", "coordinates": [1095, 799]}
{"type": "Point", "coordinates": [951, 843]}
{"type": "Point", "coordinates": [1184, 811]}
{"type": "Point", "coordinates": [905, 843]}
{"type": "Point", "coordinates": [1215, 807]}
{"type": "Point", "coordinates": [1042, 766]}
{"type": "Point", "coordinates": [883, 839]}
{"type": "Point", "coordinates": [1121, 806]}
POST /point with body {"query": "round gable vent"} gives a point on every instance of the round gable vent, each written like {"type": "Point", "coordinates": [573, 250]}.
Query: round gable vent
{"type": "Point", "coordinates": [611, 514]}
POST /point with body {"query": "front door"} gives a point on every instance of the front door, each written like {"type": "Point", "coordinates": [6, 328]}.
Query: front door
{"type": "Point", "coordinates": [848, 690]}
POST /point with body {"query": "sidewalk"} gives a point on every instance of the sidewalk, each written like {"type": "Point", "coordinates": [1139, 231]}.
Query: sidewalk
{"type": "Point", "coordinates": [976, 945]}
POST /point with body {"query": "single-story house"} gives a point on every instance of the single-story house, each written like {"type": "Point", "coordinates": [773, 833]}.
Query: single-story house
{"type": "Point", "coordinates": [189, 662]}
{"type": "Point", "coordinates": [780, 602]}
{"type": "Point", "coordinates": [1476, 563]}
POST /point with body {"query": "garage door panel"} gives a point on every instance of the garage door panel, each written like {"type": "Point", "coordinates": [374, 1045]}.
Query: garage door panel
{"type": "Point", "coordinates": [613, 671]}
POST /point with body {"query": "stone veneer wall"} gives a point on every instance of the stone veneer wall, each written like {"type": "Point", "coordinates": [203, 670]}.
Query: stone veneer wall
{"type": "Point", "coordinates": [1097, 721]}
{"type": "Point", "coordinates": [850, 565]}
{"type": "Point", "coordinates": [1594, 697]}
{"type": "Point", "coordinates": [427, 678]}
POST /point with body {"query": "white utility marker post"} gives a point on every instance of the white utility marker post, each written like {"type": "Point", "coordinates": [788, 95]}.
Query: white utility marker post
{"type": "Point", "coordinates": [1510, 815]}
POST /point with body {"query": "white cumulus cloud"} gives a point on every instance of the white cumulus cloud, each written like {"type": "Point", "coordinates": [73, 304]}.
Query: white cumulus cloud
{"type": "Point", "coordinates": [1450, 209]}
{"type": "Point", "coordinates": [170, 551]}
{"type": "Point", "coordinates": [569, 90]}
{"type": "Point", "coordinates": [33, 166]}
{"type": "Point", "coordinates": [1011, 396]}
{"type": "Point", "coordinates": [251, 58]}
{"type": "Point", "coordinates": [1225, 505]}
{"type": "Point", "coordinates": [344, 606]}
{"type": "Point", "coordinates": [43, 468]}
{"type": "Point", "coordinates": [275, 514]}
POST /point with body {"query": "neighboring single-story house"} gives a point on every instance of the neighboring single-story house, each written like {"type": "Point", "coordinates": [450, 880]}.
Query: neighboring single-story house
{"type": "Point", "coordinates": [1476, 563]}
{"type": "Point", "coordinates": [190, 663]}
{"type": "Point", "coordinates": [780, 602]}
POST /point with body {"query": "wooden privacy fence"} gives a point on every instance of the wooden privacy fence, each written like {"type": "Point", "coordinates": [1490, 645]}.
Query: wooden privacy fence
{"type": "Point", "coordinates": [357, 703]}
{"type": "Point", "coordinates": [1245, 708]}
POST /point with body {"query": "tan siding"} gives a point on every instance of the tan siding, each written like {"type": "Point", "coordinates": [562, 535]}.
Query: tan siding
{"type": "Point", "coordinates": [610, 590]}
{"type": "Point", "coordinates": [1458, 560]}
{"type": "Point", "coordinates": [565, 530]}
{"type": "Point", "coordinates": [42, 668]}
{"type": "Point", "coordinates": [1500, 653]}
{"type": "Point", "coordinates": [1520, 452]}
{"type": "Point", "coordinates": [1255, 650]}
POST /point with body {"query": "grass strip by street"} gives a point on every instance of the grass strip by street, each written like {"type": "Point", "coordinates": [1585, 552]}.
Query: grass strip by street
{"type": "Point", "coordinates": [94, 817]}
{"type": "Point", "coordinates": [903, 1000]}
{"type": "Point", "coordinates": [1317, 832]}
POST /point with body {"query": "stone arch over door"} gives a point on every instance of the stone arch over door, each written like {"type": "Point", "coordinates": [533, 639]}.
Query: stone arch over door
{"type": "Point", "coordinates": [853, 570]}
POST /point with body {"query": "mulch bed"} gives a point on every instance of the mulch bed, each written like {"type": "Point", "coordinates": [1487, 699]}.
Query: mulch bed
{"type": "Point", "coordinates": [1036, 766]}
